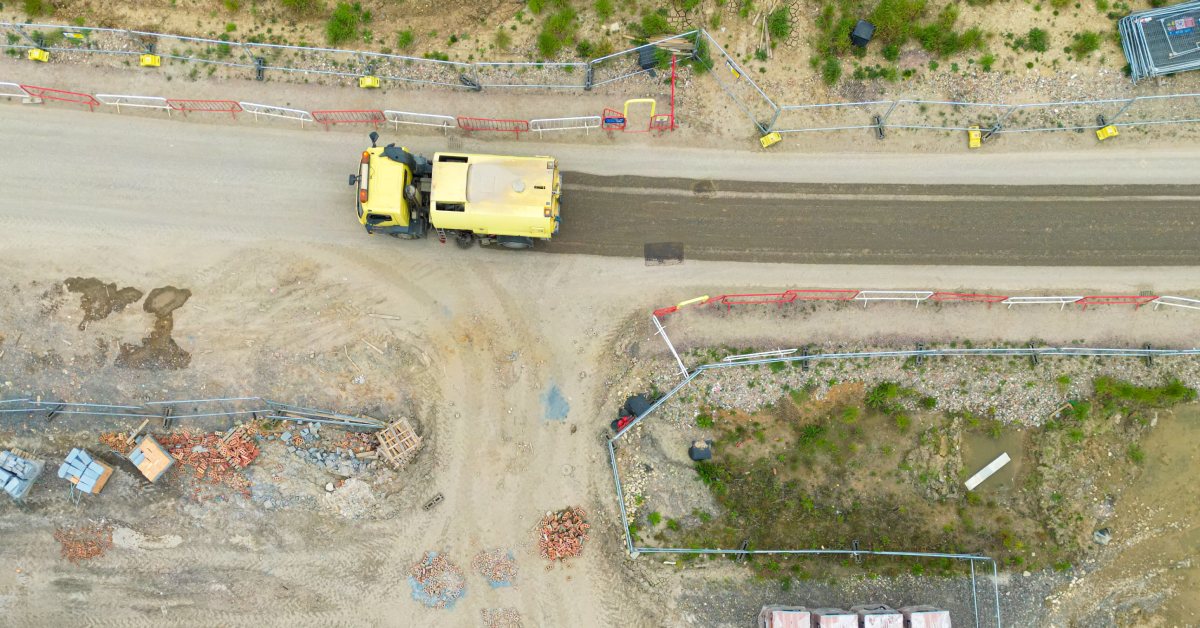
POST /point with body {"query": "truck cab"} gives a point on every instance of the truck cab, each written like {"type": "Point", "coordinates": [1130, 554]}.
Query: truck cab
{"type": "Point", "coordinates": [388, 199]}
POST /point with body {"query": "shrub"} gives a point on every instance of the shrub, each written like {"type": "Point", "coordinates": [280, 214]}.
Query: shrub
{"type": "Point", "coordinates": [1135, 454]}
{"type": "Point", "coordinates": [987, 61]}
{"type": "Point", "coordinates": [342, 25]}
{"type": "Point", "coordinates": [894, 19]}
{"type": "Point", "coordinates": [405, 39]}
{"type": "Point", "coordinates": [1036, 40]}
{"type": "Point", "coordinates": [654, 518]}
{"type": "Point", "coordinates": [35, 8]}
{"type": "Point", "coordinates": [882, 394]}
{"type": "Point", "coordinates": [1084, 44]}
{"type": "Point", "coordinates": [654, 24]}
{"type": "Point", "coordinates": [927, 402]}
{"type": "Point", "coordinates": [604, 9]}
{"type": "Point", "coordinates": [536, 6]}
{"type": "Point", "coordinates": [502, 39]}
{"type": "Point", "coordinates": [302, 7]}
{"type": "Point", "coordinates": [557, 31]}
{"type": "Point", "coordinates": [891, 52]}
{"type": "Point", "coordinates": [779, 23]}
{"type": "Point", "coordinates": [704, 421]}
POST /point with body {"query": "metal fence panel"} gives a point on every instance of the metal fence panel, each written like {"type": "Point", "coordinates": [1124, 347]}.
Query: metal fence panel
{"type": "Point", "coordinates": [830, 117]}
{"type": "Point", "coordinates": [419, 119]}
{"type": "Point", "coordinates": [12, 90]}
{"type": "Point", "coordinates": [537, 75]}
{"type": "Point", "coordinates": [565, 124]}
{"type": "Point", "coordinates": [944, 115]}
{"type": "Point", "coordinates": [140, 102]}
{"type": "Point", "coordinates": [736, 82]}
{"type": "Point", "coordinates": [272, 111]}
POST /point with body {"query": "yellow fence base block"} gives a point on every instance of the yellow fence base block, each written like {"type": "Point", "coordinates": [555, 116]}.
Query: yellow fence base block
{"type": "Point", "coordinates": [368, 82]}
{"type": "Point", "coordinates": [149, 61]}
{"type": "Point", "coordinates": [652, 102]}
{"type": "Point", "coordinates": [39, 55]}
{"type": "Point", "coordinates": [692, 301]}
{"type": "Point", "coordinates": [770, 139]}
{"type": "Point", "coordinates": [1104, 133]}
{"type": "Point", "coordinates": [974, 137]}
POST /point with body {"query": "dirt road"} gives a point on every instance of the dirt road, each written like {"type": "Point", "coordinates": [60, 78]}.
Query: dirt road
{"type": "Point", "coordinates": [254, 222]}
{"type": "Point", "coordinates": [256, 182]}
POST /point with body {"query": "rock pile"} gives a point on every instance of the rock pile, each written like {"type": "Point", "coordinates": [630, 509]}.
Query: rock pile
{"type": "Point", "coordinates": [561, 534]}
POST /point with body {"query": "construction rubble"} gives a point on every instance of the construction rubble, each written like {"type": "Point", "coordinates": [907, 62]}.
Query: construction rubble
{"type": "Point", "coordinates": [436, 582]}
{"type": "Point", "coordinates": [500, 618]}
{"type": "Point", "coordinates": [562, 533]}
{"type": "Point", "coordinates": [84, 542]}
{"type": "Point", "coordinates": [497, 566]}
{"type": "Point", "coordinates": [18, 470]}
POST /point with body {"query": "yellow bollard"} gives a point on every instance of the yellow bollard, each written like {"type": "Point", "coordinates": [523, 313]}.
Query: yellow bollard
{"type": "Point", "coordinates": [368, 82]}
{"type": "Point", "coordinates": [37, 54]}
{"type": "Point", "coordinates": [1106, 132]}
{"type": "Point", "coordinates": [770, 139]}
{"type": "Point", "coordinates": [150, 61]}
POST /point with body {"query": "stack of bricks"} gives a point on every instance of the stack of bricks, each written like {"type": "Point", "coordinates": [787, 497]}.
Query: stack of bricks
{"type": "Point", "coordinates": [86, 473]}
{"type": "Point", "coordinates": [17, 473]}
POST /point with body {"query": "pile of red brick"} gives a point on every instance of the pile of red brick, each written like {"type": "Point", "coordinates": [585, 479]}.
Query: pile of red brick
{"type": "Point", "coordinates": [561, 534]}
{"type": "Point", "coordinates": [84, 542]}
{"type": "Point", "coordinates": [202, 454]}
{"type": "Point", "coordinates": [239, 448]}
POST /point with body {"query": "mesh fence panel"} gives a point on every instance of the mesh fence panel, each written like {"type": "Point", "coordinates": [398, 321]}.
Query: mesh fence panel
{"type": "Point", "coordinates": [831, 117]}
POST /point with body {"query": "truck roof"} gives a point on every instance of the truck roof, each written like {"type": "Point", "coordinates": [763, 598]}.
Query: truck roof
{"type": "Point", "coordinates": [494, 194]}
{"type": "Point", "coordinates": [494, 184]}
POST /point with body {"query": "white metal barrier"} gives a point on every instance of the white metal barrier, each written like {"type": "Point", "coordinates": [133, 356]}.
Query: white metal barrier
{"type": "Point", "coordinates": [1062, 302]}
{"type": "Point", "coordinates": [12, 90]}
{"type": "Point", "coordinates": [1183, 302]}
{"type": "Point", "coordinates": [587, 123]}
{"type": "Point", "coordinates": [142, 102]}
{"type": "Point", "coordinates": [893, 295]}
{"type": "Point", "coordinates": [420, 119]}
{"type": "Point", "coordinates": [271, 111]}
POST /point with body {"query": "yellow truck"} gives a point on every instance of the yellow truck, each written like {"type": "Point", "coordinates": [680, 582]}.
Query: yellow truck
{"type": "Point", "coordinates": [492, 199]}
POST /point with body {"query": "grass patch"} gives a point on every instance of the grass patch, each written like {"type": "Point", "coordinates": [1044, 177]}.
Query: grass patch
{"type": "Point", "coordinates": [343, 23]}
{"type": "Point", "coordinates": [1084, 44]}
{"type": "Point", "coordinates": [779, 23]}
{"type": "Point", "coordinates": [405, 39]}
{"type": "Point", "coordinates": [654, 518]}
{"type": "Point", "coordinates": [558, 31]}
{"type": "Point", "coordinates": [603, 9]}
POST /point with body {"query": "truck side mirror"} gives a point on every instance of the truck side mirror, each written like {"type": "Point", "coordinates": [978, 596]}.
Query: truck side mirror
{"type": "Point", "coordinates": [353, 179]}
{"type": "Point", "coordinates": [374, 138]}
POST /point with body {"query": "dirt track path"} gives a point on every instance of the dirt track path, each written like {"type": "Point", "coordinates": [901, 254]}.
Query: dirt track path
{"type": "Point", "coordinates": [188, 206]}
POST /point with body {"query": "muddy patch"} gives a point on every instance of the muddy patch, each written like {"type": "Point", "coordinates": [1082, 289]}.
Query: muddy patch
{"type": "Point", "coordinates": [98, 299]}
{"type": "Point", "coordinates": [158, 351]}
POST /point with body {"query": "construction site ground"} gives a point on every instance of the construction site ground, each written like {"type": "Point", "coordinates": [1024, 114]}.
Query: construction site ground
{"type": "Point", "coordinates": [483, 348]}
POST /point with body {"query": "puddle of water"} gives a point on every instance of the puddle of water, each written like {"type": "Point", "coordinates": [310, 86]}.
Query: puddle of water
{"type": "Point", "coordinates": [98, 299]}
{"type": "Point", "coordinates": [158, 350]}
{"type": "Point", "coordinates": [556, 405]}
{"type": "Point", "coordinates": [981, 449]}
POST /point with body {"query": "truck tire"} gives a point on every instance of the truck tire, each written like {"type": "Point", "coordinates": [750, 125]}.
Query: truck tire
{"type": "Point", "coordinates": [514, 242]}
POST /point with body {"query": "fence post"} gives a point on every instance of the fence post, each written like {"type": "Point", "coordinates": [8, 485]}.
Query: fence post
{"type": "Point", "coordinates": [1123, 108]}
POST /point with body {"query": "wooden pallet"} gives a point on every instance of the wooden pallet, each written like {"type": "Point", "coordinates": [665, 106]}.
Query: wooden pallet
{"type": "Point", "coordinates": [398, 442]}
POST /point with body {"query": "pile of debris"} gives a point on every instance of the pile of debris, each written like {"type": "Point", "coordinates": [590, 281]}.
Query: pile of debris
{"type": "Point", "coordinates": [84, 542]}
{"type": "Point", "coordinates": [561, 534]}
{"type": "Point", "coordinates": [501, 618]}
{"type": "Point", "coordinates": [202, 453]}
{"type": "Point", "coordinates": [351, 453]}
{"type": "Point", "coordinates": [238, 447]}
{"type": "Point", "coordinates": [436, 582]}
{"type": "Point", "coordinates": [118, 442]}
{"type": "Point", "coordinates": [497, 566]}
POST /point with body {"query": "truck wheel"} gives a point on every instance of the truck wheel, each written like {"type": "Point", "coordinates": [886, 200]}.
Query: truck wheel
{"type": "Point", "coordinates": [464, 240]}
{"type": "Point", "coordinates": [514, 242]}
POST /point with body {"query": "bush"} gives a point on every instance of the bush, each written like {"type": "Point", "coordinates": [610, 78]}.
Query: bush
{"type": "Point", "coordinates": [891, 52]}
{"type": "Point", "coordinates": [1084, 44]}
{"type": "Point", "coordinates": [503, 40]}
{"type": "Point", "coordinates": [704, 421]}
{"type": "Point", "coordinates": [880, 397]}
{"type": "Point", "coordinates": [302, 7]}
{"type": "Point", "coordinates": [654, 518]}
{"type": "Point", "coordinates": [654, 24]}
{"type": "Point", "coordinates": [1135, 454]}
{"type": "Point", "coordinates": [779, 23]}
{"type": "Point", "coordinates": [342, 25]}
{"type": "Point", "coordinates": [604, 9]}
{"type": "Point", "coordinates": [558, 30]}
{"type": "Point", "coordinates": [35, 8]}
{"type": "Point", "coordinates": [894, 19]}
{"type": "Point", "coordinates": [987, 61]}
{"type": "Point", "coordinates": [1036, 40]}
{"type": "Point", "coordinates": [405, 39]}
{"type": "Point", "coordinates": [831, 70]}
{"type": "Point", "coordinates": [536, 6]}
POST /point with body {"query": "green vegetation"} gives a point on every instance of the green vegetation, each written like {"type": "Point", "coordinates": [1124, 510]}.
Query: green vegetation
{"type": "Point", "coordinates": [405, 39]}
{"type": "Point", "coordinates": [37, 8]}
{"type": "Point", "coordinates": [654, 518]}
{"type": "Point", "coordinates": [558, 30]}
{"type": "Point", "coordinates": [303, 7]}
{"type": "Point", "coordinates": [1036, 40]}
{"type": "Point", "coordinates": [343, 23]}
{"type": "Point", "coordinates": [1084, 44]}
{"type": "Point", "coordinates": [655, 24]}
{"type": "Point", "coordinates": [603, 8]}
{"type": "Point", "coordinates": [704, 421]}
{"type": "Point", "coordinates": [831, 71]}
{"type": "Point", "coordinates": [536, 6]}
{"type": "Point", "coordinates": [1116, 393]}
{"type": "Point", "coordinates": [779, 24]}
{"type": "Point", "coordinates": [987, 61]}
{"type": "Point", "coordinates": [1135, 453]}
